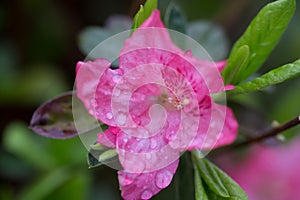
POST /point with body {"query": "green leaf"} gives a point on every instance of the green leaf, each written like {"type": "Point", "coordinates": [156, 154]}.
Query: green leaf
{"type": "Point", "coordinates": [211, 178]}
{"type": "Point", "coordinates": [273, 77]}
{"type": "Point", "coordinates": [44, 186]}
{"type": "Point", "coordinates": [261, 36]}
{"type": "Point", "coordinates": [200, 193]}
{"type": "Point", "coordinates": [144, 13]}
{"type": "Point", "coordinates": [238, 60]}
{"type": "Point", "coordinates": [104, 155]}
{"type": "Point", "coordinates": [175, 19]}
{"type": "Point", "coordinates": [76, 187]}
{"type": "Point", "coordinates": [216, 183]}
{"type": "Point", "coordinates": [19, 140]}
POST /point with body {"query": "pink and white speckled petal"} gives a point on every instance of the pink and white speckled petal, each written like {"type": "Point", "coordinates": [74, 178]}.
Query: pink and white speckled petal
{"type": "Point", "coordinates": [217, 126]}
{"type": "Point", "coordinates": [145, 185]}
{"type": "Point", "coordinates": [87, 79]}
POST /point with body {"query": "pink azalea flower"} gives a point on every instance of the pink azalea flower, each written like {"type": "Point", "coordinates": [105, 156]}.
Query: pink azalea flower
{"type": "Point", "coordinates": [157, 104]}
{"type": "Point", "coordinates": [268, 172]}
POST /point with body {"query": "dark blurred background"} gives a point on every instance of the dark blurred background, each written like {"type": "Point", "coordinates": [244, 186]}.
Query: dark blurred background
{"type": "Point", "coordinates": [38, 53]}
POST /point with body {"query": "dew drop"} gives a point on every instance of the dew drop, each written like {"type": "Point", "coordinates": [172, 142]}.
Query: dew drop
{"type": "Point", "coordinates": [109, 115]}
{"type": "Point", "coordinates": [125, 139]}
{"type": "Point", "coordinates": [146, 195]}
{"type": "Point", "coordinates": [153, 144]}
{"type": "Point", "coordinates": [170, 135]}
{"type": "Point", "coordinates": [116, 78]}
{"type": "Point", "coordinates": [163, 179]}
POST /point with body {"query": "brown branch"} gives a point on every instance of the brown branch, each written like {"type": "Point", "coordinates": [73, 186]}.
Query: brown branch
{"type": "Point", "coordinates": [271, 133]}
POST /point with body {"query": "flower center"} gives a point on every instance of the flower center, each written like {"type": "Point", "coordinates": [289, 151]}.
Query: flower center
{"type": "Point", "coordinates": [172, 101]}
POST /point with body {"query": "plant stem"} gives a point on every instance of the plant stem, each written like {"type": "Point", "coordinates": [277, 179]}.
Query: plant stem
{"type": "Point", "coordinates": [271, 133]}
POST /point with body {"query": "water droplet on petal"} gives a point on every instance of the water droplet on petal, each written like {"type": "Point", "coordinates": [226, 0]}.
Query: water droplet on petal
{"type": "Point", "coordinates": [170, 135]}
{"type": "Point", "coordinates": [109, 115]}
{"type": "Point", "coordinates": [163, 178]}
{"type": "Point", "coordinates": [116, 78]}
{"type": "Point", "coordinates": [146, 195]}
{"type": "Point", "coordinates": [153, 144]}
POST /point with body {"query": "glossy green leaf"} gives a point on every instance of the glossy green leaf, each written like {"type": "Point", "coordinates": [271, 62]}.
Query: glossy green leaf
{"type": "Point", "coordinates": [239, 59]}
{"type": "Point", "coordinates": [175, 19]}
{"type": "Point", "coordinates": [261, 36]}
{"type": "Point", "coordinates": [200, 192]}
{"type": "Point", "coordinates": [217, 184]}
{"type": "Point", "coordinates": [273, 77]}
{"type": "Point", "coordinates": [144, 13]}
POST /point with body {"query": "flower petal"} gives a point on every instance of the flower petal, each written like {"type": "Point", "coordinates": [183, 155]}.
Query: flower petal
{"type": "Point", "coordinates": [217, 126]}
{"type": "Point", "coordinates": [108, 137]}
{"type": "Point", "coordinates": [144, 185]}
{"type": "Point", "coordinates": [104, 91]}
{"type": "Point", "coordinates": [87, 79]}
{"type": "Point", "coordinates": [221, 65]}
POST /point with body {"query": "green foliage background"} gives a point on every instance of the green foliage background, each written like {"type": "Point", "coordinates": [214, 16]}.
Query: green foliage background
{"type": "Point", "coordinates": [38, 53]}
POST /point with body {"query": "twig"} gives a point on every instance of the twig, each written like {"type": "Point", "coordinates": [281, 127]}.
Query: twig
{"type": "Point", "coordinates": [271, 133]}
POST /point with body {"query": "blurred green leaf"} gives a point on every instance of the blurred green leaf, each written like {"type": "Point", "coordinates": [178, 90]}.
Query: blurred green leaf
{"type": "Point", "coordinates": [13, 168]}
{"type": "Point", "coordinates": [18, 139]}
{"type": "Point", "coordinates": [273, 77]}
{"type": "Point", "coordinates": [261, 36]}
{"type": "Point", "coordinates": [90, 37]}
{"type": "Point", "coordinates": [217, 184]}
{"type": "Point", "coordinates": [175, 19]}
{"type": "Point", "coordinates": [75, 188]}
{"type": "Point", "coordinates": [144, 13]}
{"type": "Point", "coordinates": [286, 106]}
{"type": "Point", "coordinates": [29, 87]}
{"type": "Point", "coordinates": [211, 37]}
{"type": "Point", "coordinates": [68, 152]}
{"type": "Point", "coordinates": [184, 178]}
{"type": "Point", "coordinates": [46, 184]}
{"type": "Point", "coordinates": [6, 192]}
